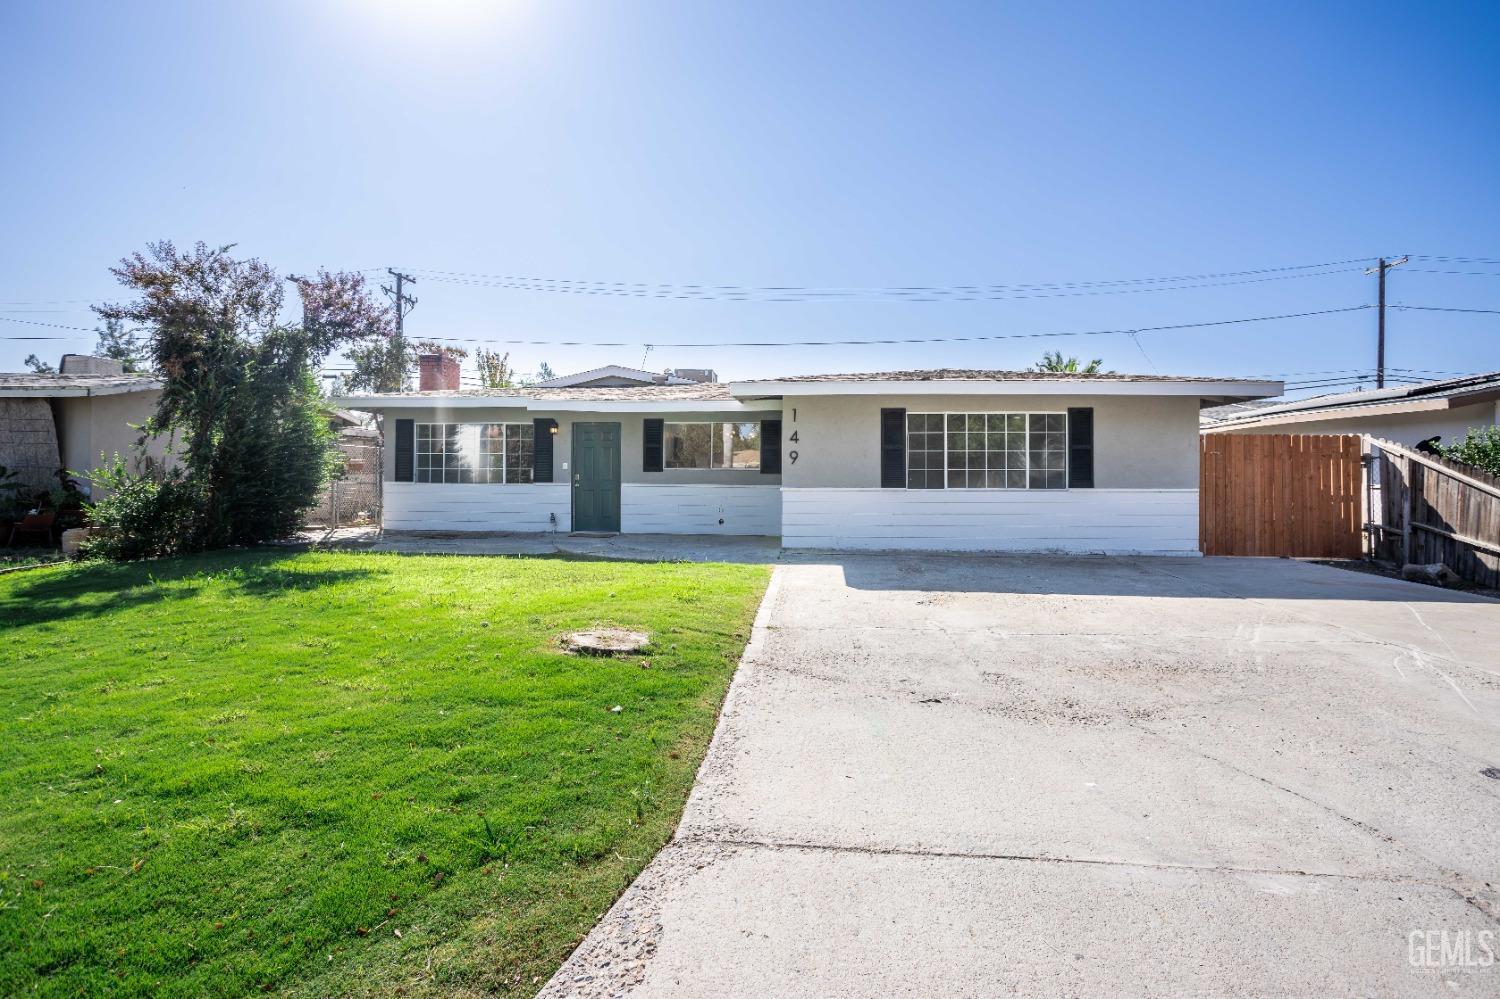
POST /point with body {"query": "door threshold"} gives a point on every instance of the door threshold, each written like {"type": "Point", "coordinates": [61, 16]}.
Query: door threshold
{"type": "Point", "coordinates": [594, 534]}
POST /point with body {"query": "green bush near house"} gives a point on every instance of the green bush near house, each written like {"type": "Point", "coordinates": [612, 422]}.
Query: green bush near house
{"type": "Point", "coordinates": [1480, 448]}
{"type": "Point", "coordinates": [331, 774]}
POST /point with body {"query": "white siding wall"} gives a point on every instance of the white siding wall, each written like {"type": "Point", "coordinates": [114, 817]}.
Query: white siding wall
{"type": "Point", "coordinates": [434, 506]}
{"type": "Point", "coordinates": [1093, 521]}
{"type": "Point", "coordinates": [697, 509]}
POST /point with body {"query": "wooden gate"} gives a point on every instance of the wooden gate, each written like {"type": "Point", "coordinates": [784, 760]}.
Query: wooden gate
{"type": "Point", "coordinates": [1280, 494]}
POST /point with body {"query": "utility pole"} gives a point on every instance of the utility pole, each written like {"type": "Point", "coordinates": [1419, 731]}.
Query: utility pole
{"type": "Point", "coordinates": [1381, 268]}
{"type": "Point", "coordinates": [404, 303]}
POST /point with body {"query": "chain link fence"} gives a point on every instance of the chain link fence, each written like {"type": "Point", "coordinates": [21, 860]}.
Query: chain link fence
{"type": "Point", "coordinates": [353, 497]}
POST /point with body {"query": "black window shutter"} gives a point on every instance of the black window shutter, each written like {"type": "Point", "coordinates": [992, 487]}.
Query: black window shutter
{"type": "Point", "coordinates": [893, 449]}
{"type": "Point", "coordinates": [770, 447]}
{"type": "Point", "coordinates": [1081, 448]}
{"type": "Point", "coordinates": [651, 434]}
{"type": "Point", "coordinates": [405, 445]}
{"type": "Point", "coordinates": [542, 439]}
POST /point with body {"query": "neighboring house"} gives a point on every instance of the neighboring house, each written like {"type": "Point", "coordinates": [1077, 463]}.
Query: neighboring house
{"type": "Point", "coordinates": [618, 376]}
{"type": "Point", "coordinates": [944, 460]}
{"type": "Point", "coordinates": [70, 419]}
{"type": "Point", "coordinates": [1408, 414]}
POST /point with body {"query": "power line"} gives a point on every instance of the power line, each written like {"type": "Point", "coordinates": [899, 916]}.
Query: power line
{"type": "Point", "coordinates": [885, 341]}
{"type": "Point", "coordinates": [1444, 308]}
{"type": "Point", "coordinates": [1424, 270]}
{"type": "Point", "coordinates": [1455, 260]}
{"type": "Point", "coordinates": [1047, 284]}
{"type": "Point", "coordinates": [918, 294]}
{"type": "Point", "coordinates": [55, 326]}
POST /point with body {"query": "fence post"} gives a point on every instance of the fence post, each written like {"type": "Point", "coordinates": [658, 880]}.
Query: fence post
{"type": "Point", "coordinates": [1408, 539]}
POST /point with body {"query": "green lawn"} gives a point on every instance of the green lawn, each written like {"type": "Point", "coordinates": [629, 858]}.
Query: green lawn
{"type": "Point", "coordinates": [339, 774]}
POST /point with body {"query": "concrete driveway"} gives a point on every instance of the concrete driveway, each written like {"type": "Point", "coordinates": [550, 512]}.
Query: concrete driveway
{"type": "Point", "coordinates": [941, 776]}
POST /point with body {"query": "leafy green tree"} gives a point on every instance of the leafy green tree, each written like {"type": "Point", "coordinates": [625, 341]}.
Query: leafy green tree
{"type": "Point", "coordinates": [38, 366]}
{"type": "Point", "coordinates": [118, 344]}
{"type": "Point", "coordinates": [495, 371]}
{"type": "Point", "coordinates": [1054, 361]}
{"type": "Point", "coordinates": [544, 372]}
{"type": "Point", "coordinates": [1480, 448]}
{"type": "Point", "coordinates": [238, 391]}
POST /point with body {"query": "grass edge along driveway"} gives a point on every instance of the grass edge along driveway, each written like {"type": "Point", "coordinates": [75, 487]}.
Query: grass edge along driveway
{"type": "Point", "coordinates": [340, 774]}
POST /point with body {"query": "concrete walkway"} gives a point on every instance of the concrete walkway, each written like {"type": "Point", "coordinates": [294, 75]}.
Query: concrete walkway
{"type": "Point", "coordinates": [1049, 776]}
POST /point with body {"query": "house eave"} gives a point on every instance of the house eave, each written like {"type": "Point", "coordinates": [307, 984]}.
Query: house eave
{"type": "Point", "coordinates": [1336, 413]}
{"type": "Point", "coordinates": [74, 391]}
{"type": "Point", "coordinates": [375, 404]}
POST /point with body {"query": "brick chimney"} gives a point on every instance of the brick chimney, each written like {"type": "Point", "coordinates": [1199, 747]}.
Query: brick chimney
{"type": "Point", "coordinates": [437, 373]}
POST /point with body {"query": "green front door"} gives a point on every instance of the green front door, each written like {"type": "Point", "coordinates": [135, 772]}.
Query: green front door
{"type": "Point", "coordinates": [596, 476]}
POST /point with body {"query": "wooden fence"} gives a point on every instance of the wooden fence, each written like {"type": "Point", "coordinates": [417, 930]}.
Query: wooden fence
{"type": "Point", "coordinates": [1296, 495]}
{"type": "Point", "coordinates": [1435, 510]}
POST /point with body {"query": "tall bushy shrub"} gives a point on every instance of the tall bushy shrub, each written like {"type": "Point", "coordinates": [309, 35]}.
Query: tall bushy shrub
{"type": "Point", "coordinates": [238, 393]}
{"type": "Point", "coordinates": [277, 456]}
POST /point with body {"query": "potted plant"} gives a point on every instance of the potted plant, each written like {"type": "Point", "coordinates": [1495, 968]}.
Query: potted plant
{"type": "Point", "coordinates": [11, 500]}
{"type": "Point", "coordinates": [68, 500]}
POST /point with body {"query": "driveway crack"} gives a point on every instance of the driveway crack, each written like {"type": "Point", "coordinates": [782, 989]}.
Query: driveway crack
{"type": "Point", "coordinates": [761, 843]}
{"type": "Point", "coordinates": [1454, 881]}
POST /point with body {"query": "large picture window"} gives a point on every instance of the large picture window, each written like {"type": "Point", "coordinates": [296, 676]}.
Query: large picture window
{"type": "Point", "coordinates": [986, 451]}
{"type": "Point", "coordinates": [711, 445]}
{"type": "Point", "coordinates": [474, 452]}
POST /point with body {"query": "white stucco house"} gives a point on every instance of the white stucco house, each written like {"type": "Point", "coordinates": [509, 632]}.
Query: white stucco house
{"type": "Point", "coordinates": [77, 419]}
{"type": "Point", "coordinates": [940, 460]}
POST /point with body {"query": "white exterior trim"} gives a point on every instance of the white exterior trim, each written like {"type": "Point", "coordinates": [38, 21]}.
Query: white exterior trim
{"type": "Point", "coordinates": [1075, 521]}
{"type": "Point", "coordinates": [442, 506]}
{"type": "Point", "coordinates": [82, 392]}
{"type": "Point", "coordinates": [1027, 386]}
{"type": "Point", "coordinates": [682, 508]}
{"type": "Point", "coordinates": [376, 403]}
{"type": "Point", "coordinates": [642, 406]}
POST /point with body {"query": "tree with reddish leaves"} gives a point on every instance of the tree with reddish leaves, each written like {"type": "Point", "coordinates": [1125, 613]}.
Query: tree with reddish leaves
{"type": "Point", "coordinates": [239, 396]}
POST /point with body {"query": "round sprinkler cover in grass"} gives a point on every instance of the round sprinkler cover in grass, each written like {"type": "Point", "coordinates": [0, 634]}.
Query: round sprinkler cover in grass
{"type": "Point", "coordinates": [605, 641]}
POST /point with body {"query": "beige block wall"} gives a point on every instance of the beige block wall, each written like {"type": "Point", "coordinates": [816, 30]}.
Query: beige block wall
{"type": "Point", "coordinates": [1140, 442]}
{"type": "Point", "coordinates": [631, 429]}
{"type": "Point", "coordinates": [1403, 428]}
{"type": "Point", "coordinates": [28, 442]}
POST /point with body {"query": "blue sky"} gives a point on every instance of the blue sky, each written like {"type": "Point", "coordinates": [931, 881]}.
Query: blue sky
{"type": "Point", "coordinates": [823, 145]}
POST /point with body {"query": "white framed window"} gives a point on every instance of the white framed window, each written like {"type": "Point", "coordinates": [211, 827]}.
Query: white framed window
{"type": "Point", "coordinates": [711, 445]}
{"type": "Point", "coordinates": [986, 450]}
{"type": "Point", "coordinates": [474, 452]}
